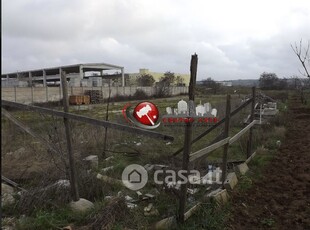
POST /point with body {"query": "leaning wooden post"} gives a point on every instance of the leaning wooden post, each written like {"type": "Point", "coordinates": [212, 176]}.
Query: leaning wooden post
{"type": "Point", "coordinates": [73, 182]}
{"type": "Point", "coordinates": [15, 94]}
{"type": "Point", "coordinates": [251, 119]}
{"type": "Point", "coordinates": [188, 137]}
{"type": "Point", "coordinates": [225, 135]}
{"type": "Point", "coordinates": [106, 118]}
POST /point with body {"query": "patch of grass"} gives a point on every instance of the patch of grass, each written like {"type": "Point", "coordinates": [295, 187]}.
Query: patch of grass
{"type": "Point", "coordinates": [49, 219]}
{"type": "Point", "coordinates": [262, 158]}
{"type": "Point", "coordinates": [245, 182]}
{"type": "Point", "coordinates": [210, 216]}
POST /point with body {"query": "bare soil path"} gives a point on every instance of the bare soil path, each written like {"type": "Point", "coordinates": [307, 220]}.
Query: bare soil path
{"type": "Point", "coordinates": [281, 200]}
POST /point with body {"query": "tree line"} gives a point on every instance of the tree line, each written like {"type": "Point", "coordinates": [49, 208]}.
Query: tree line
{"type": "Point", "coordinates": [168, 79]}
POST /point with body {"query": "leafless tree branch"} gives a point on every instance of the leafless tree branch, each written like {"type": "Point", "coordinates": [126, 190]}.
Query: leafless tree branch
{"type": "Point", "coordinates": [303, 56]}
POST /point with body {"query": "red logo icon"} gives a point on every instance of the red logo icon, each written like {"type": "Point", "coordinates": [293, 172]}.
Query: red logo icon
{"type": "Point", "coordinates": [146, 113]}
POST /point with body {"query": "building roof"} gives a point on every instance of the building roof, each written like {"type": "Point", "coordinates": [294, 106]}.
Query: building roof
{"type": "Point", "coordinates": [68, 68]}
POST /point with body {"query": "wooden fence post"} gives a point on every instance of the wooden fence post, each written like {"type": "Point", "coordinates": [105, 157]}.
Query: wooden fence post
{"type": "Point", "coordinates": [15, 97]}
{"type": "Point", "coordinates": [32, 94]}
{"type": "Point", "coordinates": [60, 92]}
{"type": "Point", "coordinates": [188, 138]}
{"type": "Point", "coordinates": [73, 183]}
{"type": "Point", "coordinates": [249, 149]}
{"type": "Point", "coordinates": [46, 93]}
{"type": "Point", "coordinates": [226, 134]}
{"type": "Point", "coordinates": [106, 118]}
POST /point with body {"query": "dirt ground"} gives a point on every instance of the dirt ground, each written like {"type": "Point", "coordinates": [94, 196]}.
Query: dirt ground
{"type": "Point", "coordinates": [281, 198]}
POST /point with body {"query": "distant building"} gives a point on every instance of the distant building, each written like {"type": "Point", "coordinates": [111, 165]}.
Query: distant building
{"type": "Point", "coordinates": [157, 75]}
{"type": "Point", "coordinates": [87, 74]}
{"type": "Point", "coordinates": [225, 83]}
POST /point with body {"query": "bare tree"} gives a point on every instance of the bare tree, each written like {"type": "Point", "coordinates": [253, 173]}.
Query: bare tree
{"type": "Point", "coordinates": [303, 56]}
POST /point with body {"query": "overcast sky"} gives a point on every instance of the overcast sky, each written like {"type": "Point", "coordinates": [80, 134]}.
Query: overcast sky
{"type": "Point", "coordinates": [234, 39]}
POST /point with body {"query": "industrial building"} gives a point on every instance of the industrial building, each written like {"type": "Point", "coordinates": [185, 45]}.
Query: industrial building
{"type": "Point", "coordinates": [89, 74]}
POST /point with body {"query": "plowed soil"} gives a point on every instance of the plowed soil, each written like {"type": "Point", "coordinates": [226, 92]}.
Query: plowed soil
{"type": "Point", "coordinates": [281, 198]}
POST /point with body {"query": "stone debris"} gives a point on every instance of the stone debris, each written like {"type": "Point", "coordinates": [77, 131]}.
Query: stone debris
{"type": "Point", "coordinates": [148, 167]}
{"type": "Point", "coordinates": [7, 199]}
{"type": "Point", "coordinates": [82, 205]}
{"type": "Point", "coordinates": [231, 181]}
{"type": "Point", "coordinates": [7, 195]}
{"type": "Point", "coordinates": [109, 158]}
{"type": "Point", "coordinates": [6, 189]}
{"type": "Point", "coordinates": [150, 210]}
{"type": "Point", "coordinates": [63, 183]}
{"type": "Point", "coordinates": [192, 191]}
{"type": "Point", "coordinates": [242, 168]}
{"type": "Point", "coordinates": [131, 205]}
{"type": "Point", "coordinates": [92, 161]}
{"type": "Point", "coordinates": [119, 194]}
{"type": "Point", "coordinates": [107, 168]}
{"type": "Point", "coordinates": [138, 144]}
{"type": "Point", "coordinates": [220, 195]}
{"type": "Point", "coordinates": [139, 194]}
{"type": "Point", "coordinates": [174, 185]}
{"type": "Point", "coordinates": [108, 197]}
{"type": "Point", "coordinates": [128, 198]}
{"type": "Point", "coordinates": [149, 195]}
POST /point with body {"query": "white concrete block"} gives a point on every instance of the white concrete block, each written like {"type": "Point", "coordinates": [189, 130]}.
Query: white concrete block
{"type": "Point", "coordinates": [231, 181]}
{"type": "Point", "coordinates": [220, 195]}
{"type": "Point", "coordinates": [82, 205]}
{"type": "Point", "coordinates": [92, 160]}
{"type": "Point", "coordinates": [242, 168]}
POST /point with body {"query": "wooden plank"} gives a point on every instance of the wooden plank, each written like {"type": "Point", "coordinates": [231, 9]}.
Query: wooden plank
{"type": "Point", "coordinates": [243, 131]}
{"type": "Point", "coordinates": [12, 183]}
{"type": "Point", "coordinates": [204, 151]}
{"type": "Point", "coordinates": [88, 120]}
{"type": "Point", "coordinates": [234, 112]}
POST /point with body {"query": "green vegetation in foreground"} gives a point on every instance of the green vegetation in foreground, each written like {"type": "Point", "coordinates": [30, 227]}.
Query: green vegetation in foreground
{"type": "Point", "coordinates": [208, 217]}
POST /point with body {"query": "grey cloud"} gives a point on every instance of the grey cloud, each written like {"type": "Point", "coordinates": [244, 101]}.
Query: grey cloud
{"type": "Point", "coordinates": [159, 35]}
